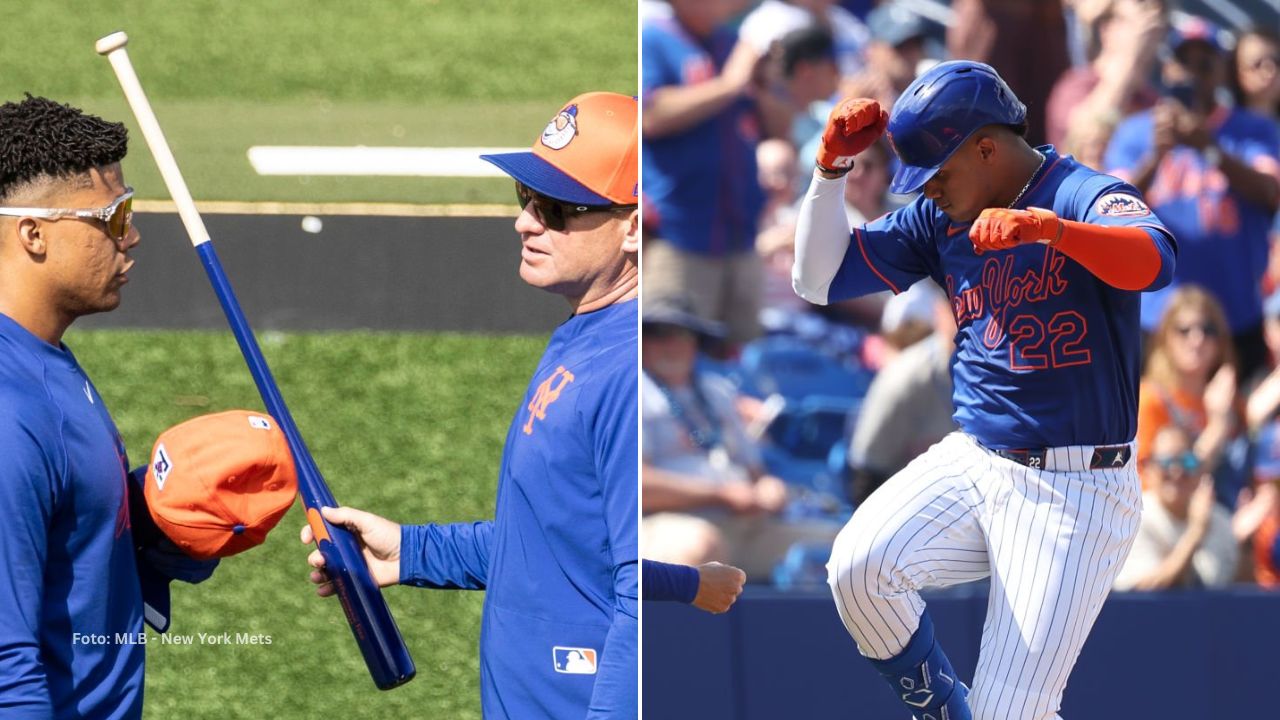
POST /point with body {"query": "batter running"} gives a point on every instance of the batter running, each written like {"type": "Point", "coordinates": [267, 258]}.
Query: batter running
{"type": "Point", "coordinates": [1043, 260]}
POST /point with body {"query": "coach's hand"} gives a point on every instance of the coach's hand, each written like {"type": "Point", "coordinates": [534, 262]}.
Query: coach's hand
{"type": "Point", "coordinates": [1002, 228]}
{"type": "Point", "coordinates": [379, 540]}
{"type": "Point", "coordinates": [852, 127]}
{"type": "Point", "coordinates": [719, 586]}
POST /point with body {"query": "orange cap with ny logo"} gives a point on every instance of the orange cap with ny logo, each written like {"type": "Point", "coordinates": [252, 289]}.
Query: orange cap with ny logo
{"type": "Point", "coordinates": [587, 154]}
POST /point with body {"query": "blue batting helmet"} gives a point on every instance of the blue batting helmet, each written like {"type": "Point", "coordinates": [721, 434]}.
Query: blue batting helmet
{"type": "Point", "coordinates": [939, 111]}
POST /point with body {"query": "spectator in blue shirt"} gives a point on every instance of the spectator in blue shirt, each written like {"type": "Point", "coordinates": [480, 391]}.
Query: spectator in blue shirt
{"type": "Point", "coordinates": [1212, 175]}
{"type": "Point", "coordinates": [702, 196]}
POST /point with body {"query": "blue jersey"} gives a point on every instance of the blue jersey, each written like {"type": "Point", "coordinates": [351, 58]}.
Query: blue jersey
{"type": "Point", "coordinates": [559, 633]}
{"type": "Point", "coordinates": [701, 191]}
{"type": "Point", "coordinates": [70, 604]}
{"type": "Point", "coordinates": [1046, 353]}
{"type": "Point", "coordinates": [1222, 238]}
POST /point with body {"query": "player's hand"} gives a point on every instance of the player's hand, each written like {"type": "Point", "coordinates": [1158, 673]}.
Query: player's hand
{"type": "Point", "coordinates": [379, 540]}
{"type": "Point", "coordinates": [852, 127]}
{"type": "Point", "coordinates": [1003, 228]}
{"type": "Point", "coordinates": [719, 586]}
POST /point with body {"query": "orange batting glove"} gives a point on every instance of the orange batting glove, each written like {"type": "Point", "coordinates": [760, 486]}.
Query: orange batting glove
{"type": "Point", "coordinates": [1002, 228]}
{"type": "Point", "coordinates": [853, 125]}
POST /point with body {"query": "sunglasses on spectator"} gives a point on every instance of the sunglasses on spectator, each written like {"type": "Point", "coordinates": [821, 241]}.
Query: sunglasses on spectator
{"type": "Point", "coordinates": [118, 216]}
{"type": "Point", "coordinates": [1186, 461]}
{"type": "Point", "coordinates": [553, 213]}
{"type": "Point", "coordinates": [1207, 329]}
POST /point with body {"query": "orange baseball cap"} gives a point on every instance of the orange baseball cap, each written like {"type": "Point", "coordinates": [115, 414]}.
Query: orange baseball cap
{"type": "Point", "coordinates": [217, 484]}
{"type": "Point", "coordinates": [587, 154]}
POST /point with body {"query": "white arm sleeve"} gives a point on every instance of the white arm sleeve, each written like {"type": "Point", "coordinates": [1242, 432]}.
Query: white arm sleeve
{"type": "Point", "coordinates": [822, 237]}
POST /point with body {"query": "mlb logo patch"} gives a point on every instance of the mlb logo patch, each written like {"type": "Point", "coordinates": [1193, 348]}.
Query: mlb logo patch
{"type": "Point", "coordinates": [259, 422]}
{"type": "Point", "coordinates": [161, 466]}
{"type": "Point", "coordinates": [1121, 205]}
{"type": "Point", "coordinates": [574, 661]}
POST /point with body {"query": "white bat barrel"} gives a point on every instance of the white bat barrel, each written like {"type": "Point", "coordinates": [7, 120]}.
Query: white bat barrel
{"type": "Point", "coordinates": [112, 46]}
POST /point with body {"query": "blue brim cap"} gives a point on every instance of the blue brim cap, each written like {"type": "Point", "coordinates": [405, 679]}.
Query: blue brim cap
{"type": "Point", "coordinates": [910, 178]}
{"type": "Point", "coordinates": [545, 178]}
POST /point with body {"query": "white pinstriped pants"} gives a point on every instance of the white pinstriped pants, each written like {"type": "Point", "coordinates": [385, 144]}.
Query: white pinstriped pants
{"type": "Point", "coordinates": [1051, 540]}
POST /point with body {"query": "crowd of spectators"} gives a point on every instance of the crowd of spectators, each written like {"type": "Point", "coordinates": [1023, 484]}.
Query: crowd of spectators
{"type": "Point", "coordinates": [736, 94]}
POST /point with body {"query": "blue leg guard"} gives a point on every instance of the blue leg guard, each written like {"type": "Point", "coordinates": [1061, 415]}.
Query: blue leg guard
{"type": "Point", "coordinates": [922, 676]}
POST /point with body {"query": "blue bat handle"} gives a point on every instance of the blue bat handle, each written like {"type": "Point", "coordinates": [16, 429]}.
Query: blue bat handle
{"type": "Point", "coordinates": [371, 622]}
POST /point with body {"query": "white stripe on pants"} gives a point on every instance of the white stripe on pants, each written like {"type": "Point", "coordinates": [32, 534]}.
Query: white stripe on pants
{"type": "Point", "coordinates": [1051, 540]}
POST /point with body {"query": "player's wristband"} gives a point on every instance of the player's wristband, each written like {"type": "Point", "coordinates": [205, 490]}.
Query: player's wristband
{"type": "Point", "coordinates": [838, 173]}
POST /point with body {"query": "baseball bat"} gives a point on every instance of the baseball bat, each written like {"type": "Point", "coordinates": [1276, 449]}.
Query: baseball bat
{"type": "Point", "coordinates": [371, 622]}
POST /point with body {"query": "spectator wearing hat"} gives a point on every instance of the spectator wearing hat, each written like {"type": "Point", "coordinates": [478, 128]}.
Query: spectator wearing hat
{"type": "Point", "coordinates": [559, 560]}
{"type": "Point", "coordinates": [898, 46]}
{"type": "Point", "coordinates": [706, 494]}
{"type": "Point", "coordinates": [908, 405]}
{"type": "Point", "coordinates": [1185, 539]}
{"type": "Point", "coordinates": [1211, 173]}
{"type": "Point", "coordinates": [1088, 102]}
{"type": "Point", "coordinates": [702, 195]}
{"type": "Point", "coordinates": [772, 20]}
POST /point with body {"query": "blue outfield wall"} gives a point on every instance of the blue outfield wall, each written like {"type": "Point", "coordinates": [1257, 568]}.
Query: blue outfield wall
{"type": "Point", "coordinates": [1173, 656]}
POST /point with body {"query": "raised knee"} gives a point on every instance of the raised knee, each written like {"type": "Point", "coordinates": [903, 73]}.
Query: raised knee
{"type": "Point", "coordinates": [859, 563]}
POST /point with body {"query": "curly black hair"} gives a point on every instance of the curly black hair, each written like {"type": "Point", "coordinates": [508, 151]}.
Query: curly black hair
{"type": "Point", "coordinates": [40, 138]}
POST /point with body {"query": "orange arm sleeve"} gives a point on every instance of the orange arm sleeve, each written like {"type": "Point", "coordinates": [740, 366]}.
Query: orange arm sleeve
{"type": "Point", "coordinates": [1123, 257]}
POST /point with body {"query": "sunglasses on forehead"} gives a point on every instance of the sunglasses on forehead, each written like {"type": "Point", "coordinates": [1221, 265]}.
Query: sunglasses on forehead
{"type": "Point", "coordinates": [553, 213]}
{"type": "Point", "coordinates": [118, 216]}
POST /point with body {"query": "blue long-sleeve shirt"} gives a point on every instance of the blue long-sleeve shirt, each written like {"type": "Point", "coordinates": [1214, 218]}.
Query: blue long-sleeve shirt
{"type": "Point", "coordinates": [70, 605]}
{"type": "Point", "coordinates": [558, 561]}
{"type": "Point", "coordinates": [667, 581]}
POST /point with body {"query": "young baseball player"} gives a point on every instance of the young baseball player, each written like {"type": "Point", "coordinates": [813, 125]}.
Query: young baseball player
{"type": "Point", "coordinates": [83, 559]}
{"type": "Point", "coordinates": [558, 561]}
{"type": "Point", "coordinates": [1044, 261]}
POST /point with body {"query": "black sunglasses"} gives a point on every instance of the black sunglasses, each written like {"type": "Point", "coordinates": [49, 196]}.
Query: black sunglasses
{"type": "Point", "coordinates": [553, 213]}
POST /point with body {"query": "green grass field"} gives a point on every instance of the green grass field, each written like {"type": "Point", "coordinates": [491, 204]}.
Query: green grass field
{"type": "Point", "coordinates": [224, 76]}
{"type": "Point", "coordinates": [407, 425]}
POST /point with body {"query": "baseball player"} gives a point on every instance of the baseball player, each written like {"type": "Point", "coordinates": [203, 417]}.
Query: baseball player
{"type": "Point", "coordinates": [558, 561]}
{"type": "Point", "coordinates": [1044, 261]}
